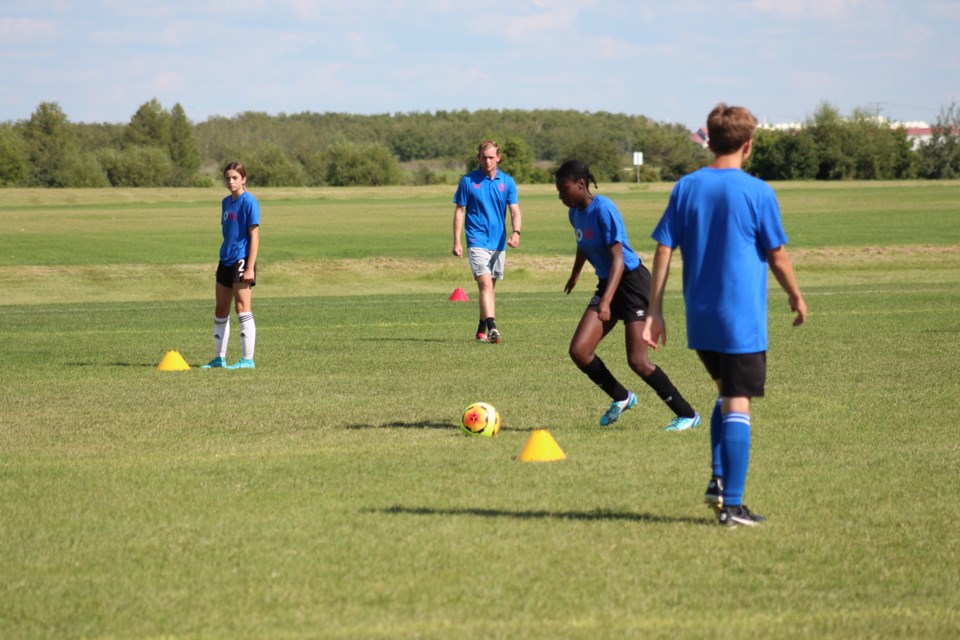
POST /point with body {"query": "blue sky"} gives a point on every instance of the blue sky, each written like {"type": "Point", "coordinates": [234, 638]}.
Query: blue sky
{"type": "Point", "coordinates": [671, 61]}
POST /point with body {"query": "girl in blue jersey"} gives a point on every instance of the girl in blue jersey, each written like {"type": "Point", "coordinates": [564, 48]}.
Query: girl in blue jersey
{"type": "Point", "coordinates": [236, 271]}
{"type": "Point", "coordinates": [622, 294]}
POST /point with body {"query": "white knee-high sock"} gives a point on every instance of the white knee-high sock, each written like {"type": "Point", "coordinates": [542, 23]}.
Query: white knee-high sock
{"type": "Point", "coordinates": [221, 333]}
{"type": "Point", "coordinates": [248, 335]}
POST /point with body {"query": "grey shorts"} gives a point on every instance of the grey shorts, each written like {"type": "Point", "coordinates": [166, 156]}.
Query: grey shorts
{"type": "Point", "coordinates": [487, 262]}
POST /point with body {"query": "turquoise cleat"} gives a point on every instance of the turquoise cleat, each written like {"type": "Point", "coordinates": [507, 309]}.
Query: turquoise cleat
{"type": "Point", "coordinates": [617, 408]}
{"type": "Point", "coordinates": [682, 424]}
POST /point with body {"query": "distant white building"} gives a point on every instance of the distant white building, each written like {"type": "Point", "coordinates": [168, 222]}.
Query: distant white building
{"type": "Point", "coordinates": [918, 132]}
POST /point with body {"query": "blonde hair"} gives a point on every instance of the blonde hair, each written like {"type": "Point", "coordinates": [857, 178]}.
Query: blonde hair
{"type": "Point", "coordinates": [487, 144]}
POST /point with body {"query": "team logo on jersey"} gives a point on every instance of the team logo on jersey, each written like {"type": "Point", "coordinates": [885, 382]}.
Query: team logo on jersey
{"type": "Point", "coordinates": [476, 185]}
{"type": "Point", "coordinates": [579, 235]}
{"type": "Point", "coordinates": [501, 187]}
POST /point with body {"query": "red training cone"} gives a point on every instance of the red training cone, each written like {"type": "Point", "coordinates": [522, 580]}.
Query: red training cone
{"type": "Point", "coordinates": [458, 295]}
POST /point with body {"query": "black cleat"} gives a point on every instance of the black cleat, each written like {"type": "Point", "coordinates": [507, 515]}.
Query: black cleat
{"type": "Point", "coordinates": [739, 515]}
{"type": "Point", "coordinates": [714, 494]}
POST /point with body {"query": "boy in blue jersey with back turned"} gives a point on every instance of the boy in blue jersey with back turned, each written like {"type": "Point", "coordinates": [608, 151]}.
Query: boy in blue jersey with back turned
{"type": "Point", "coordinates": [622, 295]}
{"type": "Point", "coordinates": [482, 199]}
{"type": "Point", "coordinates": [727, 226]}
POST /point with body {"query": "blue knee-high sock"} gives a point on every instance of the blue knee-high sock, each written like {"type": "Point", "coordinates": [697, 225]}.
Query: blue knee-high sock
{"type": "Point", "coordinates": [735, 456]}
{"type": "Point", "coordinates": [716, 428]}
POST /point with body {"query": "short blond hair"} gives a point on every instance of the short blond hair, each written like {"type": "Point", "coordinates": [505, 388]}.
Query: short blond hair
{"type": "Point", "coordinates": [487, 144]}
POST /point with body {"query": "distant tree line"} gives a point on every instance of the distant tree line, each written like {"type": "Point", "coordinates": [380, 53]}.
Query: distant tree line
{"type": "Point", "coordinates": [161, 147]}
{"type": "Point", "coordinates": [157, 148]}
{"type": "Point", "coordinates": [861, 147]}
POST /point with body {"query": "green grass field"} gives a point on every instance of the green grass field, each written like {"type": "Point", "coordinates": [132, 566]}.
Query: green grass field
{"type": "Point", "coordinates": [329, 493]}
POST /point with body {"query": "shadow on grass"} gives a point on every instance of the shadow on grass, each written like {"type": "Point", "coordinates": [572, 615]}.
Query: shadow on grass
{"type": "Point", "coordinates": [424, 424]}
{"type": "Point", "coordinates": [405, 339]}
{"type": "Point", "coordinates": [398, 424]}
{"type": "Point", "coordinates": [596, 515]}
{"type": "Point", "coordinates": [110, 364]}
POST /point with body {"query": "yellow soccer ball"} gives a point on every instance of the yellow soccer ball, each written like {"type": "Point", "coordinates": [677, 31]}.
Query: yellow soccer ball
{"type": "Point", "coordinates": [481, 419]}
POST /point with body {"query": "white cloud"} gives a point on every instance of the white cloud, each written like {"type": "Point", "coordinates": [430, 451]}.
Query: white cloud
{"type": "Point", "coordinates": [165, 81]}
{"type": "Point", "coordinates": [114, 38]}
{"type": "Point", "coordinates": [947, 10]}
{"type": "Point", "coordinates": [808, 8]}
{"type": "Point", "coordinates": [669, 60]}
{"type": "Point", "coordinates": [540, 25]}
{"type": "Point", "coordinates": [26, 31]}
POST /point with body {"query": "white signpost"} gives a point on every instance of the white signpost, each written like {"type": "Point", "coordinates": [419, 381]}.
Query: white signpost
{"type": "Point", "coordinates": [638, 162]}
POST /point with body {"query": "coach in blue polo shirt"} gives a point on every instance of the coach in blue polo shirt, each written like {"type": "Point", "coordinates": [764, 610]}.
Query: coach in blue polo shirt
{"type": "Point", "coordinates": [482, 199]}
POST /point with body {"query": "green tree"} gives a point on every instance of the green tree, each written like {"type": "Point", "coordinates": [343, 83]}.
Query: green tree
{"type": "Point", "coordinates": [518, 160]}
{"type": "Point", "coordinates": [96, 136]}
{"type": "Point", "coordinates": [367, 164]}
{"type": "Point", "coordinates": [149, 126]}
{"type": "Point", "coordinates": [783, 155]}
{"type": "Point", "coordinates": [906, 159]}
{"type": "Point", "coordinates": [668, 150]}
{"type": "Point", "coordinates": [767, 159]}
{"type": "Point", "coordinates": [872, 146]}
{"type": "Point", "coordinates": [269, 165]}
{"type": "Point", "coordinates": [939, 158]}
{"type": "Point", "coordinates": [49, 140]}
{"type": "Point", "coordinates": [602, 156]}
{"type": "Point", "coordinates": [14, 160]}
{"type": "Point", "coordinates": [413, 138]}
{"type": "Point", "coordinates": [834, 143]}
{"type": "Point", "coordinates": [314, 165]}
{"type": "Point", "coordinates": [82, 169]}
{"type": "Point", "coordinates": [184, 153]}
{"type": "Point", "coordinates": [801, 155]}
{"type": "Point", "coordinates": [422, 175]}
{"type": "Point", "coordinates": [140, 166]}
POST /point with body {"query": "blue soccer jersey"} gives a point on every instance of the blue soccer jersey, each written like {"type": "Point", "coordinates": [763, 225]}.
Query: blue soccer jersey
{"type": "Point", "coordinates": [486, 200]}
{"type": "Point", "coordinates": [724, 221]}
{"type": "Point", "coordinates": [236, 219]}
{"type": "Point", "coordinates": [598, 227]}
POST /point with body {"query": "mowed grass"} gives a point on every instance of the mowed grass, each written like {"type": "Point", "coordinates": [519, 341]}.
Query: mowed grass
{"type": "Point", "coordinates": [329, 493]}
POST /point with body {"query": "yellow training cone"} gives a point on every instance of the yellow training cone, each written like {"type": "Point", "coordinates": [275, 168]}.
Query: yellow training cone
{"type": "Point", "coordinates": [541, 447]}
{"type": "Point", "coordinates": [173, 361]}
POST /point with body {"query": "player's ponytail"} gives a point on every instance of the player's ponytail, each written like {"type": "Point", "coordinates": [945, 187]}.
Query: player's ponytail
{"type": "Point", "coordinates": [575, 170]}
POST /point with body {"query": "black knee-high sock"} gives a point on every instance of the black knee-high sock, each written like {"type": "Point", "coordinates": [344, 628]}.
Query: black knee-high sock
{"type": "Point", "coordinates": [660, 383]}
{"type": "Point", "coordinates": [601, 376]}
